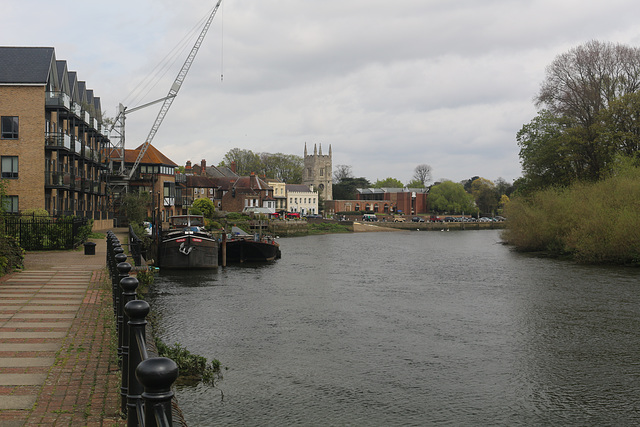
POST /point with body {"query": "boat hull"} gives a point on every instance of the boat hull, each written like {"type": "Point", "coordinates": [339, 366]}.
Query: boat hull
{"type": "Point", "coordinates": [188, 251]}
{"type": "Point", "coordinates": [245, 250]}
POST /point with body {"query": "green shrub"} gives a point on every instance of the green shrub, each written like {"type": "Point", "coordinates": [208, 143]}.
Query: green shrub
{"type": "Point", "coordinates": [11, 255]}
{"type": "Point", "coordinates": [593, 222]}
{"type": "Point", "coordinates": [192, 367]}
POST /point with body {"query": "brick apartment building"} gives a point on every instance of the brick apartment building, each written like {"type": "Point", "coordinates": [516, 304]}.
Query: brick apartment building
{"type": "Point", "coordinates": [51, 135]}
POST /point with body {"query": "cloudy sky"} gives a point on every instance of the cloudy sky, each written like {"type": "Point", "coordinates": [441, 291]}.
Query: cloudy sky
{"type": "Point", "coordinates": [388, 84]}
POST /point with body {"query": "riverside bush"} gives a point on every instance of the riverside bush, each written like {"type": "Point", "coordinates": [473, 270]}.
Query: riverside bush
{"type": "Point", "coordinates": [593, 222]}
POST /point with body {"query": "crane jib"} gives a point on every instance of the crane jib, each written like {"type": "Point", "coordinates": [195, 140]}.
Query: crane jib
{"type": "Point", "coordinates": [175, 87]}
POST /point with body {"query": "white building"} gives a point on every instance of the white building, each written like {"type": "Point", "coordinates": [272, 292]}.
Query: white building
{"type": "Point", "coordinates": [301, 199]}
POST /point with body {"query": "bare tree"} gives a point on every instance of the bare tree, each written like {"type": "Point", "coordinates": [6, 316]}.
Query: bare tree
{"type": "Point", "coordinates": [422, 173]}
{"type": "Point", "coordinates": [586, 79]}
{"type": "Point", "coordinates": [341, 172]}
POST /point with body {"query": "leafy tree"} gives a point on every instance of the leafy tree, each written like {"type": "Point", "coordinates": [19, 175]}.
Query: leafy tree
{"type": "Point", "coordinates": [484, 193]}
{"type": "Point", "coordinates": [203, 206]}
{"type": "Point", "coordinates": [286, 167]}
{"type": "Point", "coordinates": [422, 173]}
{"type": "Point", "coordinates": [467, 183]}
{"type": "Point", "coordinates": [448, 196]}
{"type": "Point", "coordinates": [346, 189]}
{"type": "Point", "coordinates": [134, 206]}
{"type": "Point", "coordinates": [415, 184]}
{"type": "Point", "coordinates": [246, 161]}
{"type": "Point", "coordinates": [341, 172]}
{"type": "Point", "coordinates": [567, 141]}
{"type": "Point", "coordinates": [619, 129]}
{"type": "Point", "coordinates": [388, 183]}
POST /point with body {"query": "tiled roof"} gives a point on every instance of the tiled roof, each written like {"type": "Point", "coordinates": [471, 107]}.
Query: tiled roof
{"type": "Point", "coordinates": [151, 157]}
{"type": "Point", "coordinates": [25, 65]}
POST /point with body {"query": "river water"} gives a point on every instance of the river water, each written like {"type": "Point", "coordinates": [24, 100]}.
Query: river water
{"type": "Point", "coordinates": [408, 329]}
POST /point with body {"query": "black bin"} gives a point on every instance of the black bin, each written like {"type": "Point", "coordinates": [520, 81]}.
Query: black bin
{"type": "Point", "coordinates": [89, 248]}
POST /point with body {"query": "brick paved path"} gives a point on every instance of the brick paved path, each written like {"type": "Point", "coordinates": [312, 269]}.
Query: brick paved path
{"type": "Point", "coordinates": [57, 360]}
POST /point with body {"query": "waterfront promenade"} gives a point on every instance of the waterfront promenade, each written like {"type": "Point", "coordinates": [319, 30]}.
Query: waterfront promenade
{"type": "Point", "coordinates": [57, 362]}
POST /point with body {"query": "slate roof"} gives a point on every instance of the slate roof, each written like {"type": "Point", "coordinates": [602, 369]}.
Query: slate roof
{"type": "Point", "coordinates": [199, 181]}
{"type": "Point", "coordinates": [26, 65]}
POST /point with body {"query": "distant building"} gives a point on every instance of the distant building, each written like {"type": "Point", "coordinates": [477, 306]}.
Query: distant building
{"type": "Point", "coordinates": [410, 201]}
{"type": "Point", "coordinates": [318, 172]}
{"type": "Point", "coordinates": [279, 193]}
{"type": "Point", "coordinates": [301, 199]}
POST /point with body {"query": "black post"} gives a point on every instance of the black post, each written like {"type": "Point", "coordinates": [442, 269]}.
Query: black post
{"type": "Point", "coordinates": [129, 286]}
{"type": "Point", "coordinates": [136, 311]}
{"type": "Point", "coordinates": [157, 374]}
{"type": "Point", "coordinates": [123, 268]}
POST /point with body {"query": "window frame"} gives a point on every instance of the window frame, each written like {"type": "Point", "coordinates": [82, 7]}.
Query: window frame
{"type": "Point", "coordinates": [14, 132]}
{"type": "Point", "coordinates": [13, 173]}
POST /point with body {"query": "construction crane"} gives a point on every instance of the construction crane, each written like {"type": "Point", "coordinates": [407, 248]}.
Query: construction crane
{"type": "Point", "coordinates": [166, 101]}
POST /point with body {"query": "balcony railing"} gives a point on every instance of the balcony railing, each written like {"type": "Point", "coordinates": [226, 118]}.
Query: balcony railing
{"type": "Point", "coordinates": [58, 99]}
{"type": "Point", "coordinates": [58, 139]}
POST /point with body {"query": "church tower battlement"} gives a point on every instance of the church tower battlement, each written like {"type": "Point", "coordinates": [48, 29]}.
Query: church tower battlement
{"type": "Point", "coordinates": [318, 171]}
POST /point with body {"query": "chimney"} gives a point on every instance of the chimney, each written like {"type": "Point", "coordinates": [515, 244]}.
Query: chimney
{"type": "Point", "coordinates": [203, 165]}
{"type": "Point", "coordinates": [233, 166]}
{"type": "Point", "coordinates": [187, 168]}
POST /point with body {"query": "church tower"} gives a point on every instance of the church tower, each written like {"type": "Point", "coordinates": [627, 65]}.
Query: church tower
{"type": "Point", "coordinates": [318, 172]}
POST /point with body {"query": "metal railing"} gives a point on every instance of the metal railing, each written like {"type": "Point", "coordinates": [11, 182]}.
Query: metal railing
{"type": "Point", "coordinates": [146, 381]}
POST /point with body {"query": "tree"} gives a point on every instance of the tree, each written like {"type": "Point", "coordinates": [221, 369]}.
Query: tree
{"type": "Point", "coordinates": [579, 85]}
{"type": "Point", "coordinates": [286, 167]}
{"type": "Point", "coordinates": [134, 206]}
{"type": "Point", "coordinates": [388, 183]}
{"type": "Point", "coordinates": [448, 196]}
{"type": "Point", "coordinates": [203, 206]}
{"type": "Point", "coordinates": [415, 184]}
{"type": "Point", "coordinates": [484, 193]}
{"type": "Point", "coordinates": [581, 82]}
{"type": "Point", "coordinates": [422, 173]}
{"type": "Point", "coordinates": [342, 172]}
{"type": "Point", "coordinates": [619, 126]}
{"type": "Point", "coordinates": [246, 161]}
{"type": "Point", "coordinates": [346, 189]}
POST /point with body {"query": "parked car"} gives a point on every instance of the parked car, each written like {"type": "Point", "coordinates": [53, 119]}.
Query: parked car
{"type": "Point", "coordinates": [417, 219]}
{"type": "Point", "coordinates": [449, 219]}
{"type": "Point", "coordinates": [434, 218]}
{"type": "Point", "coordinates": [399, 219]}
{"type": "Point", "coordinates": [369, 217]}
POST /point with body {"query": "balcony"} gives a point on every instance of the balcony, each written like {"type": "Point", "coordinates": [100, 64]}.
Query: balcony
{"type": "Point", "coordinates": [58, 139]}
{"type": "Point", "coordinates": [57, 99]}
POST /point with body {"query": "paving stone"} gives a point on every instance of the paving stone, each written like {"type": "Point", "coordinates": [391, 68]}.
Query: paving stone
{"type": "Point", "coordinates": [16, 402]}
{"type": "Point", "coordinates": [22, 379]}
{"type": "Point", "coordinates": [23, 362]}
{"type": "Point", "coordinates": [47, 346]}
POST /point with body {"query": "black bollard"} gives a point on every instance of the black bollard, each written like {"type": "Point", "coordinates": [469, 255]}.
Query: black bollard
{"type": "Point", "coordinates": [136, 311]}
{"type": "Point", "coordinates": [129, 286]}
{"type": "Point", "coordinates": [157, 374]}
{"type": "Point", "coordinates": [123, 269]}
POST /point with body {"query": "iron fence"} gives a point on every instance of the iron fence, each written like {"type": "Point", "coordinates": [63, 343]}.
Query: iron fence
{"type": "Point", "coordinates": [35, 233]}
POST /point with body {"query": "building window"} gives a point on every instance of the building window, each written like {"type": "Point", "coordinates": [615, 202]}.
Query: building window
{"type": "Point", "coordinates": [9, 127]}
{"type": "Point", "coordinates": [10, 204]}
{"type": "Point", "coordinates": [10, 167]}
{"type": "Point", "coordinates": [321, 171]}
